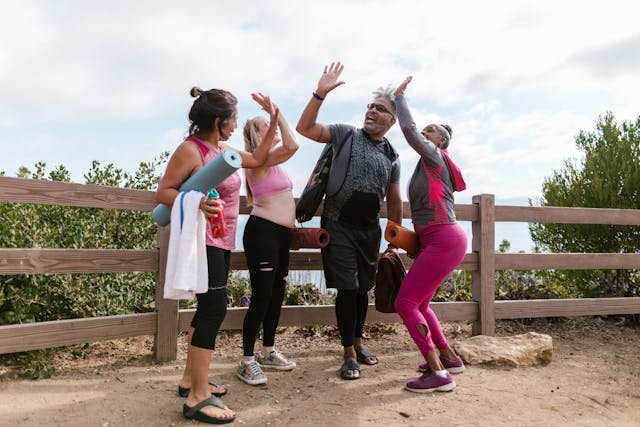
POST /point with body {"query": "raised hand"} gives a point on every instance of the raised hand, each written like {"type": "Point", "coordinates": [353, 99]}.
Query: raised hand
{"type": "Point", "coordinates": [400, 89]}
{"type": "Point", "coordinates": [329, 79]}
{"type": "Point", "coordinates": [264, 101]}
{"type": "Point", "coordinates": [267, 105]}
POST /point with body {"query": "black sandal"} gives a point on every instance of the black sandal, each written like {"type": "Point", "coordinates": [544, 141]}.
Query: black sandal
{"type": "Point", "coordinates": [363, 354]}
{"type": "Point", "coordinates": [194, 412]}
{"type": "Point", "coordinates": [349, 365]}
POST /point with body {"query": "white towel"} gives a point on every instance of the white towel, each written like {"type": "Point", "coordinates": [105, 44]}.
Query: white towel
{"type": "Point", "coordinates": [187, 273]}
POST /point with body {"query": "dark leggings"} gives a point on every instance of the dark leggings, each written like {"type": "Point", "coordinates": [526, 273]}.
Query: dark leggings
{"type": "Point", "coordinates": [351, 312]}
{"type": "Point", "coordinates": [266, 247]}
{"type": "Point", "coordinates": [212, 305]}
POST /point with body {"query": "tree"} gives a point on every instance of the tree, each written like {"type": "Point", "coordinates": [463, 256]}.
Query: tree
{"type": "Point", "coordinates": [607, 177]}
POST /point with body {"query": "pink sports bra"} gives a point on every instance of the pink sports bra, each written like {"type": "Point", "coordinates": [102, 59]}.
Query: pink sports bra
{"type": "Point", "coordinates": [276, 182]}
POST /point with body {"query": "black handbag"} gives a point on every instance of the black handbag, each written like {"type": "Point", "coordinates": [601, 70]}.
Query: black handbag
{"type": "Point", "coordinates": [315, 189]}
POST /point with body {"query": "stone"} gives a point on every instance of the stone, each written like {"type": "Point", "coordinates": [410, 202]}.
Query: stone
{"type": "Point", "coordinates": [527, 349]}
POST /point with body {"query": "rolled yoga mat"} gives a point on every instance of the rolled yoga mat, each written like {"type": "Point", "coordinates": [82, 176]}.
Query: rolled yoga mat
{"type": "Point", "coordinates": [209, 176]}
{"type": "Point", "coordinates": [309, 238]}
{"type": "Point", "coordinates": [402, 237]}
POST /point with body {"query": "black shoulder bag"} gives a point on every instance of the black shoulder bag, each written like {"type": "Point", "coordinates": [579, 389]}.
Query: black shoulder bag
{"type": "Point", "coordinates": [313, 193]}
{"type": "Point", "coordinates": [316, 187]}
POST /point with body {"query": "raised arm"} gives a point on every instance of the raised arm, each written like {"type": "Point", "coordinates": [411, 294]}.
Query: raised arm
{"type": "Point", "coordinates": [425, 148]}
{"type": "Point", "coordinates": [259, 156]}
{"type": "Point", "coordinates": [282, 153]}
{"type": "Point", "coordinates": [307, 125]}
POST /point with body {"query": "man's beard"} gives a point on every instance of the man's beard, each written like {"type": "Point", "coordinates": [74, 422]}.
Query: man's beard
{"type": "Point", "coordinates": [373, 128]}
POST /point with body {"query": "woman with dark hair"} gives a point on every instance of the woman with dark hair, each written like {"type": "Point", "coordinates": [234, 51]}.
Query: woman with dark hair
{"type": "Point", "coordinates": [213, 119]}
{"type": "Point", "coordinates": [443, 244]}
{"type": "Point", "coordinates": [266, 242]}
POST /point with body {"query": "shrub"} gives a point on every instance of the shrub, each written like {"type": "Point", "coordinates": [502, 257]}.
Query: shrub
{"type": "Point", "coordinates": [35, 298]}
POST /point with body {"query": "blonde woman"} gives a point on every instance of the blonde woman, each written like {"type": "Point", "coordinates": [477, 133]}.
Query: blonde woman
{"type": "Point", "coordinates": [266, 247]}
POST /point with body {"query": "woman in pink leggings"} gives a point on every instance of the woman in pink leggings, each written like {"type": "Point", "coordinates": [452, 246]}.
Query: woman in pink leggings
{"type": "Point", "coordinates": [443, 244]}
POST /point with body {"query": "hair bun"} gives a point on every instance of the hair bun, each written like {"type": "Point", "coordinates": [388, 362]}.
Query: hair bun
{"type": "Point", "coordinates": [195, 92]}
{"type": "Point", "coordinates": [448, 128]}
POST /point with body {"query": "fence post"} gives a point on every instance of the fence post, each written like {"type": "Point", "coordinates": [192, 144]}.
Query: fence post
{"type": "Point", "coordinates": [165, 345]}
{"type": "Point", "coordinates": [483, 279]}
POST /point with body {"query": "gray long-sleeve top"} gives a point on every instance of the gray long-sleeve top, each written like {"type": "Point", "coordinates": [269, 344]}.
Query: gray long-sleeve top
{"type": "Point", "coordinates": [431, 186]}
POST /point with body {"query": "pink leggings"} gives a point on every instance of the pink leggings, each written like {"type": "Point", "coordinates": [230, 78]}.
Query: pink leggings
{"type": "Point", "coordinates": [443, 248]}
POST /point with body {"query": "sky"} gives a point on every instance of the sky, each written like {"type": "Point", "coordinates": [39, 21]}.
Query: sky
{"type": "Point", "coordinates": [109, 81]}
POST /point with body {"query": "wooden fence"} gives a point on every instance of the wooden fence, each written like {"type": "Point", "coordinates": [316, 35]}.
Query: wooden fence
{"type": "Point", "coordinates": [168, 320]}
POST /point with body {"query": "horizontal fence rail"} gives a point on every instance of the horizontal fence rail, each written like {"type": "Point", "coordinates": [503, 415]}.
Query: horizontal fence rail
{"type": "Point", "coordinates": [46, 261]}
{"type": "Point", "coordinates": [34, 336]}
{"type": "Point", "coordinates": [563, 215]}
{"type": "Point", "coordinates": [572, 261]}
{"type": "Point", "coordinates": [168, 320]}
{"type": "Point", "coordinates": [296, 315]}
{"type": "Point", "coordinates": [43, 192]}
{"type": "Point", "coordinates": [566, 307]}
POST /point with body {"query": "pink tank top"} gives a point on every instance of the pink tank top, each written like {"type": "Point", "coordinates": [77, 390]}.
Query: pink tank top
{"type": "Point", "coordinates": [276, 182]}
{"type": "Point", "coordinates": [229, 191]}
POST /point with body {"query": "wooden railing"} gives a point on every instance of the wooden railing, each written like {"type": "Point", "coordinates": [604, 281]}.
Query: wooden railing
{"type": "Point", "coordinates": [168, 320]}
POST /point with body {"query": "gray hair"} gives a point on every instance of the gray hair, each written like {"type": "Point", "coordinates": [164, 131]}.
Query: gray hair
{"type": "Point", "coordinates": [385, 93]}
{"type": "Point", "coordinates": [445, 132]}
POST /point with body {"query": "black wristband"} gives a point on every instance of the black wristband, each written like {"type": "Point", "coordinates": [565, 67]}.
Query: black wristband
{"type": "Point", "coordinates": [318, 97]}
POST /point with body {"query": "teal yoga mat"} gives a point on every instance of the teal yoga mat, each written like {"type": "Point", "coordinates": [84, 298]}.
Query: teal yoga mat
{"type": "Point", "coordinates": [211, 175]}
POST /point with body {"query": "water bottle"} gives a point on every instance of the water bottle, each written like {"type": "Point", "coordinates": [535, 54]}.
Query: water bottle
{"type": "Point", "coordinates": [218, 224]}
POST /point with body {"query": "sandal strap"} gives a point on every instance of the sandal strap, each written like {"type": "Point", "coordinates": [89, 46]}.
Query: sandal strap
{"type": "Point", "coordinates": [210, 401]}
{"type": "Point", "coordinates": [350, 365]}
{"type": "Point", "coordinates": [211, 383]}
{"type": "Point", "coordinates": [363, 352]}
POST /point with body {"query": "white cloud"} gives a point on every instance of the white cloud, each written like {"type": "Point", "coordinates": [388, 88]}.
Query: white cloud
{"type": "Point", "coordinates": [515, 81]}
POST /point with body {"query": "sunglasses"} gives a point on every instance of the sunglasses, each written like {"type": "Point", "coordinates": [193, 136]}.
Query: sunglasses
{"type": "Point", "coordinates": [379, 108]}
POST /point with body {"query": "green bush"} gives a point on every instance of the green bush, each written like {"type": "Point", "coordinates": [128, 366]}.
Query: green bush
{"type": "Point", "coordinates": [456, 287]}
{"type": "Point", "coordinates": [307, 294]}
{"type": "Point", "coordinates": [529, 284]}
{"type": "Point", "coordinates": [36, 298]}
{"type": "Point", "coordinates": [238, 288]}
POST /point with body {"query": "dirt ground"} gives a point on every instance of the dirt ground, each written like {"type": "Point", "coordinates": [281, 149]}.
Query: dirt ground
{"type": "Point", "coordinates": [593, 380]}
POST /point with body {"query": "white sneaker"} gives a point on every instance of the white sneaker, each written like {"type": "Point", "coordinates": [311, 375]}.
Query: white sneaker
{"type": "Point", "coordinates": [250, 373]}
{"type": "Point", "coordinates": [275, 360]}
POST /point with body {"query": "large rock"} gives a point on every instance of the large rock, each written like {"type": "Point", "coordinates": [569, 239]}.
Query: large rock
{"type": "Point", "coordinates": [527, 349]}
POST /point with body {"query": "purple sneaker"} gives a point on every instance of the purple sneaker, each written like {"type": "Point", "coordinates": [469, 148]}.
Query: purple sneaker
{"type": "Point", "coordinates": [453, 366]}
{"type": "Point", "coordinates": [429, 382]}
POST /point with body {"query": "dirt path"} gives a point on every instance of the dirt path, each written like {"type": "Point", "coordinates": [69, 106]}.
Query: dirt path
{"type": "Point", "coordinates": [594, 380]}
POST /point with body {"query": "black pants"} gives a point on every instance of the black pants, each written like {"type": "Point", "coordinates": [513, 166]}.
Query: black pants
{"type": "Point", "coordinates": [351, 312]}
{"type": "Point", "coordinates": [212, 305]}
{"type": "Point", "coordinates": [266, 247]}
